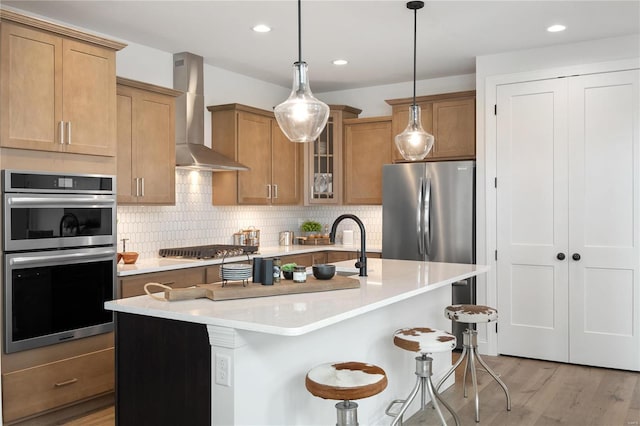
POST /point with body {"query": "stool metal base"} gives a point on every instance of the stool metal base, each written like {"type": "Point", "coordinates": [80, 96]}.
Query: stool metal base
{"type": "Point", "coordinates": [470, 354]}
{"type": "Point", "coordinates": [423, 383]}
{"type": "Point", "coordinates": [347, 413]}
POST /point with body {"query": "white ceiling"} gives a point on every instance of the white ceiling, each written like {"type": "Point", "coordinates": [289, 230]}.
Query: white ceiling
{"type": "Point", "coordinates": [375, 36]}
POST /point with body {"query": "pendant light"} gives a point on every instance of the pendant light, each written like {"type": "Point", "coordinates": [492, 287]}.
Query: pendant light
{"type": "Point", "coordinates": [414, 143]}
{"type": "Point", "coordinates": [301, 117]}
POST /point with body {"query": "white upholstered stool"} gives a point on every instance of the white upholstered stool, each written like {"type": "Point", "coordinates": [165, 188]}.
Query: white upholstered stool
{"type": "Point", "coordinates": [472, 314]}
{"type": "Point", "coordinates": [424, 341]}
{"type": "Point", "coordinates": [346, 381]}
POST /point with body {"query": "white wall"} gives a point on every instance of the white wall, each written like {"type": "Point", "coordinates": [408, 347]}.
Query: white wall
{"type": "Point", "coordinates": [371, 100]}
{"type": "Point", "coordinates": [524, 65]}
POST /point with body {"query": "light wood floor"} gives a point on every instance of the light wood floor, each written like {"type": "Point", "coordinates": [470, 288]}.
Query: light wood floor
{"type": "Point", "coordinates": [542, 393]}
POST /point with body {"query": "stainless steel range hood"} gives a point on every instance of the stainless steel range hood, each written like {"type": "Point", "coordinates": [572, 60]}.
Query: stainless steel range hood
{"type": "Point", "coordinates": [191, 152]}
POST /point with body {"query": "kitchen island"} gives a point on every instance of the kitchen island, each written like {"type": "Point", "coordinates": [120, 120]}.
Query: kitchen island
{"type": "Point", "coordinates": [243, 362]}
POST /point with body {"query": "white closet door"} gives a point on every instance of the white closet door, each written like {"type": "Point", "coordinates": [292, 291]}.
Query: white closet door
{"type": "Point", "coordinates": [532, 228]}
{"type": "Point", "coordinates": [604, 211]}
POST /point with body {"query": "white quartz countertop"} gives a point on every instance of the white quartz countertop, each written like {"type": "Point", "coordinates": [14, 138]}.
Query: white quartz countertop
{"type": "Point", "coordinates": [160, 264]}
{"type": "Point", "coordinates": [388, 281]}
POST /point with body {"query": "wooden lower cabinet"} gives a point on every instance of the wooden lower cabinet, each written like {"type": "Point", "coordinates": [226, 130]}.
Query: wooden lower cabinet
{"type": "Point", "coordinates": [305, 259]}
{"type": "Point", "coordinates": [339, 256]}
{"type": "Point", "coordinates": [134, 285]}
{"type": "Point", "coordinates": [34, 390]}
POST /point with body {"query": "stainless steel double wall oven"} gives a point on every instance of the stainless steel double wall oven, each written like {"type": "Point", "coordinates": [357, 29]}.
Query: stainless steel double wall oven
{"type": "Point", "coordinates": [59, 257]}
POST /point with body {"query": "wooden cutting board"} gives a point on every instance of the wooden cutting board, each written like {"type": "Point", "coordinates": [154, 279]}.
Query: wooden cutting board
{"type": "Point", "coordinates": [235, 290]}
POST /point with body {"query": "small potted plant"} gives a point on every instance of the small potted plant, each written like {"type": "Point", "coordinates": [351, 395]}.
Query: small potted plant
{"type": "Point", "coordinates": [311, 228]}
{"type": "Point", "coordinates": [287, 270]}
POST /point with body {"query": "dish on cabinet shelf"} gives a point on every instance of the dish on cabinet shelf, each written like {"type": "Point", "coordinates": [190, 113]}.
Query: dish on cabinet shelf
{"type": "Point", "coordinates": [323, 183]}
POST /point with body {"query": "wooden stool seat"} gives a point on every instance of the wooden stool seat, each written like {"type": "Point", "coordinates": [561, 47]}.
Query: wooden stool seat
{"type": "Point", "coordinates": [471, 314]}
{"type": "Point", "coordinates": [424, 340]}
{"type": "Point", "coordinates": [346, 380]}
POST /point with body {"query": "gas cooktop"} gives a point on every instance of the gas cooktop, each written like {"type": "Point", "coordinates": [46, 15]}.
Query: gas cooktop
{"type": "Point", "coordinates": [215, 251]}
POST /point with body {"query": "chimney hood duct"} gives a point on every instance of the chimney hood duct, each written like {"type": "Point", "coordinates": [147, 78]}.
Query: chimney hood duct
{"type": "Point", "coordinates": [191, 152]}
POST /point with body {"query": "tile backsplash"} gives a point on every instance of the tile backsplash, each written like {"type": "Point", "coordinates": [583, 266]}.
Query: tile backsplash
{"type": "Point", "coordinates": [194, 221]}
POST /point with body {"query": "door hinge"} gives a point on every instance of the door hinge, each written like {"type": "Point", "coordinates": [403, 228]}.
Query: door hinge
{"type": "Point", "coordinates": [495, 182]}
{"type": "Point", "coordinates": [495, 109]}
{"type": "Point", "coordinates": [495, 254]}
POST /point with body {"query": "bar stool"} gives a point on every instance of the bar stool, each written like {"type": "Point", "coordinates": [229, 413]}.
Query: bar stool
{"type": "Point", "coordinates": [346, 381]}
{"type": "Point", "coordinates": [472, 314]}
{"type": "Point", "coordinates": [424, 341]}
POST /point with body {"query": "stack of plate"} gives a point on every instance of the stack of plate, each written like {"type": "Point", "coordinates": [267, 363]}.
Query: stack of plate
{"type": "Point", "coordinates": [235, 272]}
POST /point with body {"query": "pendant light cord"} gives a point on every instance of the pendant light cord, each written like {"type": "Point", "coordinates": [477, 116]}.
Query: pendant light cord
{"type": "Point", "coordinates": [299, 32]}
{"type": "Point", "coordinates": [415, 24]}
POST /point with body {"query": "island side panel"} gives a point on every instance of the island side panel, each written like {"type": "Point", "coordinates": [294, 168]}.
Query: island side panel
{"type": "Point", "coordinates": [163, 372]}
{"type": "Point", "coordinates": [267, 371]}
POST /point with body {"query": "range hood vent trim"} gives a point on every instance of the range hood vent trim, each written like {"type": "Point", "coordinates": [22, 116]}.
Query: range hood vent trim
{"type": "Point", "coordinates": [191, 152]}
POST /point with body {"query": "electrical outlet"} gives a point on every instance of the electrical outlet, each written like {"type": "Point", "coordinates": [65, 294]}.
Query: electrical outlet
{"type": "Point", "coordinates": [223, 370]}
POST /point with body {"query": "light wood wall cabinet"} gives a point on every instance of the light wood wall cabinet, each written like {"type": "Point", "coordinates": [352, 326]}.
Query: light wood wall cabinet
{"type": "Point", "coordinates": [366, 149]}
{"type": "Point", "coordinates": [146, 143]}
{"type": "Point", "coordinates": [323, 160]}
{"type": "Point", "coordinates": [252, 137]}
{"type": "Point", "coordinates": [450, 117]}
{"type": "Point", "coordinates": [58, 88]}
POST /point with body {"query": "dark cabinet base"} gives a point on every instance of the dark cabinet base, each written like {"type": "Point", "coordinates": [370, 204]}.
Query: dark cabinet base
{"type": "Point", "coordinates": [163, 372]}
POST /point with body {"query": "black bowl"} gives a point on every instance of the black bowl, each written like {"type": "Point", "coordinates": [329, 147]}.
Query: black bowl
{"type": "Point", "coordinates": [288, 275]}
{"type": "Point", "coordinates": [324, 272]}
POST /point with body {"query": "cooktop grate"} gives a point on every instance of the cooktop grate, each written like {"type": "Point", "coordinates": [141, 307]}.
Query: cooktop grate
{"type": "Point", "coordinates": [216, 251]}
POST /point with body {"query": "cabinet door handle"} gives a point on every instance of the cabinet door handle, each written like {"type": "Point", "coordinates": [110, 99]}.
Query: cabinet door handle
{"type": "Point", "coordinates": [68, 133]}
{"type": "Point", "coordinates": [142, 187]}
{"type": "Point", "coordinates": [560, 256]}
{"type": "Point", "coordinates": [66, 382]}
{"type": "Point", "coordinates": [268, 192]}
{"type": "Point", "coordinates": [62, 133]}
{"type": "Point", "coordinates": [576, 256]}
{"type": "Point", "coordinates": [137, 187]}
{"type": "Point", "coordinates": [275, 191]}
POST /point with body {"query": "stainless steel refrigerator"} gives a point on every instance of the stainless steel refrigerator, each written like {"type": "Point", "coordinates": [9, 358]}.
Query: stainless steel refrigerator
{"type": "Point", "coordinates": [428, 214]}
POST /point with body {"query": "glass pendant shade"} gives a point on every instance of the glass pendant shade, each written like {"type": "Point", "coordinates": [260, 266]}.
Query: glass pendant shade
{"type": "Point", "coordinates": [301, 117]}
{"type": "Point", "coordinates": [414, 143]}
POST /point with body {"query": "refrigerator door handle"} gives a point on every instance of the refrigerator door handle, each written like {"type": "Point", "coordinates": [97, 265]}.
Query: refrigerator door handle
{"type": "Point", "coordinates": [427, 216]}
{"type": "Point", "coordinates": [419, 211]}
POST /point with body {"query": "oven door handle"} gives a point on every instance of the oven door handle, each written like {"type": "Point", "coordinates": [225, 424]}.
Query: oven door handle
{"type": "Point", "coordinates": [20, 200]}
{"type": "Point", "coordinates": [39, 259]}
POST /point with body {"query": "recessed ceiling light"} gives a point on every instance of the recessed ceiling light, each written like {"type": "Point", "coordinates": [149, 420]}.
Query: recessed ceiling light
{"type": "Point", "coordinates": [556, 28]}
{"type": "Point", "coordinates": [261, 28]}
{"type": "Point", "coordinates": [340, 62]}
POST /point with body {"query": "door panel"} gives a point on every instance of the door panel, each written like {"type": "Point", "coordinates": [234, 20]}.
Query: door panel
{"type": "Point", "coordinates": [401, 186]}
{"type": "Point", "coordinates": [532, 224]}
{"type": "Point", "coordinates": [89, 98]}
{"type": "Point", "coordinates": [254, 151]}
{"type": "Point", "coordinates": [604, 210]}
{"type": "Point", "coordinates": [31, 81]}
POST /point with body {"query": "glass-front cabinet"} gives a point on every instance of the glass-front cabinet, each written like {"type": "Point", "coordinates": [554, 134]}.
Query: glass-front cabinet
{"type": "Point", "coordinates": [323, 159]}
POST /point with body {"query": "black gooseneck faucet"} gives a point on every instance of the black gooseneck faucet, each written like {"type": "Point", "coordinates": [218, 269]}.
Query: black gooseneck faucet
{"type": "Point", "coordinates": [362, 262]}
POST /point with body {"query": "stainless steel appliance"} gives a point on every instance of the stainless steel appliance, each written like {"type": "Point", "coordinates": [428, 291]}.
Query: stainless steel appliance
{"type": "Point", "coordinates": [428, 214]}
{"type": "Point", "coordinates": [59, 244]}
{"type": "Point", "coordinates": [214, 251]}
